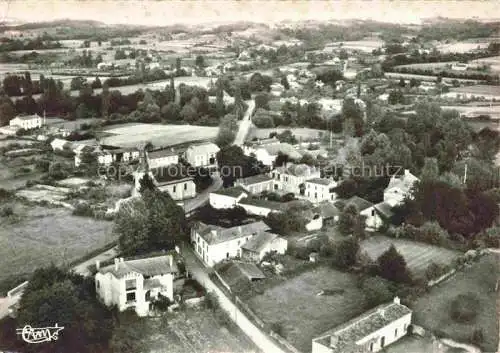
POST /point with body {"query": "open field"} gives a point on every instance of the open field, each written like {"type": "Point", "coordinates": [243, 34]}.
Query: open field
{"type": "Point", "coordinates": [417, 255]}
{"type": "Point", "coordinates": [493, 61]}
{"type": "Point", "coordinates": [398, 75]}
{"type": "Point", "coordinates": [362, 45]}
{"type": "Point", "coordinates": [438, 65]}
{"type": "Point", "coordinates": [194, 330]}
{"type": "Point", "coordinates": [301, 312]}
{"type": "Point", "coordinates": [478, 89]}
{"type": "Point", "coordinates": [37, 236]}
{"type": "Point", "coordinates": [131, 135]}
{"type": "Point", "coordinates": [462, 47]}
{"type": "Point", "coordinates": [432, 310]}
{"type": "Point", "coordinates": [300, 133]}
{"type": "Point", "coordinates": [416, 344]}
{"type": "Point", "coordinates": [493, 111]}
{"type": "Point", "coordinates": [10, 181]}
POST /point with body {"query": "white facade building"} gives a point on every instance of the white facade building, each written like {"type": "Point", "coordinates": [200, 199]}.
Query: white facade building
{"type": "Point", "coordinates": [227, 198]}
{"type": "Point", "coordinates": [256, 248]}
{"type": "Point", "coordinates": [256, 184]}
{"type": "Point", "coordinates": [214, 244]}
{"type": "Point", "coordinates": [180, 189]}
{"type": "Point", "coordinates": [202, 155]}
{"type": "Point", "coordinates": [136, 284]}
{"type": "Point", "coordinates": [27, 122]}
{"type": "Point", "coordinates": [399, 187]}
{"type": "Point", "coordinates": [292, 177]}
{"type": "Point", "coordinates": [319, 189]}
{"type": "Point", "coordinates": [370, 332]}
{"type": "Point", "coordinates": [162, 158]}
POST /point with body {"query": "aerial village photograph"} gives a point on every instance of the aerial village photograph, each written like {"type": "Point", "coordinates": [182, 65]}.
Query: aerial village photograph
{"type": "Point", "coordinates": [222, 176]}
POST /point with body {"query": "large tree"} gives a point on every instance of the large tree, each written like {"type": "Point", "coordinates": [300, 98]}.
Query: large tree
{"type": "Point", "coordinates": [152, 222]}
{"type": "Point", "coordinates": [345, 253]}
{"type": "Point", "coordinates": [392, 266]}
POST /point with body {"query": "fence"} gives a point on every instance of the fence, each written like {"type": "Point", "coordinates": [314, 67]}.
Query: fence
{"type": "Point", "coordinates": [438, 280]}
{"type": "Point", "coordinates": [250, 314]}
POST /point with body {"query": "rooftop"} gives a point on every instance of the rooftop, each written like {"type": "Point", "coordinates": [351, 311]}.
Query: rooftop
{"type": "Point", "coordinates": [162, 153]}
{"type": "Point", "coordinates": [297, 170]}
{"type": "Point", "coordinates": [216, 235]}
{"type": "Point", "coordinates": [320, 181]}
{"type": "Point", "coordinates": [205, 147]}
{"type": "Point", "coordinates": [328, 210]}
{"type": "Point", "coordinates": [27, 117]}
{"type": "Point", "coordinates": [385, 209]}
{"type": "Point", "coordinates": [256, 179]}
{"type": "Point", "coordinates": [348, 334]}
{"type": "Point", "coordinates": [236, 272]}
{"type": "Point", "coordinates": [403, 182]}
{"type": "Point", "coordinates": [360, 203]}
{"type": "Point", "coordinates": [233, 192]}
{"type": "Point", "coordinates": [152, 266]}
{"type": "Point", "coordinates": [272, 205]}
{"type": "Point", "coordinates": [285, 148]}
{"type": "Point", "coordinates": [258, 243]}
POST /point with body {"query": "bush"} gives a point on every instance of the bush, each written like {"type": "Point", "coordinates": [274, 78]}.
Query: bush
{"type": "Point", "coordinates": [464, 308]}
{"type": "Point", "coordinates": [376, 291]}
{"type": "Point", "coordinates": [84, 210]}
{"type": "Point", "coordinates": [162, 303]}
{"type": "Point", "coordinates": [477, 337]}
{"type": "Point", "coordinates": [434, 271]}
{"type": "Point", "coordinates": [6, 211]}
{"type": "Point", "coordinates": [277, 327]}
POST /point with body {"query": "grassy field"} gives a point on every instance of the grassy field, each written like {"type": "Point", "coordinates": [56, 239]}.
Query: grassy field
{"type": "Point", "coordinates": [131, 135]}
{"type": "Point", "coordinates": [302, 313]}
{"type": "Point", "coordinates": [432, 310]}
{"type": "Point", "coordinates": [300, 133]}
{"type": "Point", "coordinates": [37, 236]}
{"type": "Point", "coordinates": [195, 330]}
{"type": "Point", "coordinates": [462, 47]}
{"type": "Point", "coordinates": [417, 255]}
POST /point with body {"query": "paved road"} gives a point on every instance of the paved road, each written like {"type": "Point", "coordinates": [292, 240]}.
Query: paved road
{"type": "Point", "coordinates": [202, 198]}
{"type": "Point", "coordinates": [245, 124]}
{"type": "Point", "coordinates": [198, 271]}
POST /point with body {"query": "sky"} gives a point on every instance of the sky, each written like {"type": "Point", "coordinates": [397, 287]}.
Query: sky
{"type": "Point", "coordinates": [154, 12]}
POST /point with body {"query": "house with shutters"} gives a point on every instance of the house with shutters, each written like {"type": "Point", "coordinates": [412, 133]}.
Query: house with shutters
{"type": "Point", "coordinates": [136, 284]}
{"type": "Point", "coordinates": [370, 332]}
{"type": "Point", "coordinates": [214, 244]}
{"type": "Point", "coordinates": [292, 177]}
{"type": "Point", "coordinates": [162, 158]}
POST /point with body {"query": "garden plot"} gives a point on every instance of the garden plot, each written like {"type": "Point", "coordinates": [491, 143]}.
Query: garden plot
{"type": "Point", "coordinates": [418, 256]}
{"type": "Point", "coordinates": [54, 195]}
{"type": "Point", "coordinates": [303, 134]}
{"type": "Point", "coordinates": [132, 135]}
{"type": "Point", "coordinates": [195, 330]}
{"type": "Point", "coordinates": [303, 314]}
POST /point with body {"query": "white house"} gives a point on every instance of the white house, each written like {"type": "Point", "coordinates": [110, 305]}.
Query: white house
{"type": "Point", "coordinates": [267, 153]}
{"type": "Point", "coordinates": [365, 208]}
{"type": "Point", "coordinates": [370, 332]}
{"type": "Point", "coordinates": [399, 187]}
{"type": "Point", "coordinates": [277, 89]}
{"type": "Point", "coordinates": [459, 66]}
{"type": "Point", "coordinates": [136, 284]}
{"type": "Point", "coordinates": [162, 158]}
{"type": "Point", "coordinates": [60, 144]}
{"type": "Point", "coordinates": [106, 157]}
{"type": "Point", "coordinates": [330, 106]}
{"type": "Point", "coordinates": [256, 184]}
{"type": "Point", "coordinates": [263, 243]}
{"type": "Point", "coordinates": [227, 198]}
{"type": "Point", "coordinates": [214, 244]}
{"type": "Point", "coordinates": [27, 122]}
{"type": "Point", "coordinates": [320, 189]}
{"type": "Point", "coordinates": [202, 155]}
{"type": "Point", "coordinates": [180, 189]}
{"type": "Point", "coordinates": [292, 178]}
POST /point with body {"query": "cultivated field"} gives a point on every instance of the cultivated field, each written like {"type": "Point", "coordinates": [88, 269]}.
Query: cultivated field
{"type": "Point", "coordinates": [397, 75]}
{"type": "Point", "coordinates": [493, 61]}
{"type": "Point", "coordinates": [478, 89]}
{"type": "Point", "coordinates": [462, 47]}
{"type": "Point", "coordinates": [302, 313]}
{"type": "Point", "coordinates": [432, 310]}
{"type": "Point", "coordinates": [37, 236]}
{"type": "Point", "coordinates": [194, 330]}
{"type": "Point", "coordinates": [132, 135]}
{"type": "Point", "coordinates": [362, 45]}
{"type": "Point", "coordinates": [300, 133]}
{"type": "Point", "coordinates": [417, 255]}
{"type": "Point", "coordinates": [439, 65]}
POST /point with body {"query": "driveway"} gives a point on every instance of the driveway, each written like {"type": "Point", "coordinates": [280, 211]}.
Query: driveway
{"type": "Point", "coordinates": [199, 272]}
{"type": "Point", "coordinates": [202, 198]}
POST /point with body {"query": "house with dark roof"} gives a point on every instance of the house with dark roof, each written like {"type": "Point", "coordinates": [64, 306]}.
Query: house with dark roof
{"type": "Point", "coordinates": [256, 184]}
{"type": "Point", "coordinates": [370, 332]}
{"type": "Point", "coordinates": [227, 198]}
{"type": "Point", "coordinates": [162, 158]}
{"type": "Point", "coordinates": [136, 284]}
{"type": "Point", "coordinates": [329, 212]}
{"type": "Point", "coordinates": [263, 243]}
{"type": "Point", "coordinates": [371, 212]}
{"type": "Point", "coordinates": [214, 244]}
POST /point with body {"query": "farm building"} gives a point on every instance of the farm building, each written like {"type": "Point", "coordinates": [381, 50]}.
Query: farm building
{"type": "Point", "coordinates": [256, 184]}
{"type": "Point", "coordinates": [370, 332]}
{"type": "Point", "coordinates": [214, 244]}
{"type": "Point", "coordinates": [234, 274]}
{"type": "Point", "coordinates": [227, 198]}
{"type": "Point", "coordinates": [256, 248]}
{"type": "Point", "coordinates": [136, 284]}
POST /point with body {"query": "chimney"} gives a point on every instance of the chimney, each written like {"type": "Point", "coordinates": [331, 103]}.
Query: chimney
{"type": "Point", "coordinates": [117, 261]}
{"type": "Point", "coordinates": [397, 300]}
{"type": "Point", "coordinates": [381, 312]}
{"type": "Point", "coordinates": [240, 230]}
{"type": "Point", "coordinates": [407, 172]}
{"type": "Point", "coordinates": [121, 259]}
{"type": "Point", "coordinates": [97, 264]}
{"type": "Point", "coordinates": [171, 261]}
{"type": "Point", "coordinates": [334, 340]}
{"type": "Point", "coordinates": [214, 232]}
